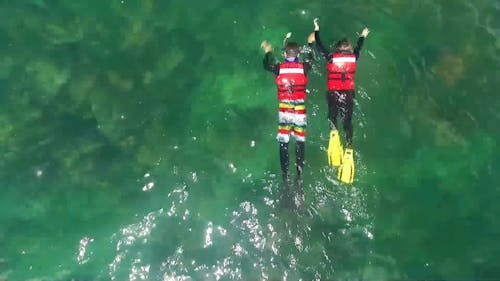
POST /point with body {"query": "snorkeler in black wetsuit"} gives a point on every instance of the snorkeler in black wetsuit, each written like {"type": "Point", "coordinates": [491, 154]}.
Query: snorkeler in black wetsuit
{"type": "Point", "coordinates": [340, 96]}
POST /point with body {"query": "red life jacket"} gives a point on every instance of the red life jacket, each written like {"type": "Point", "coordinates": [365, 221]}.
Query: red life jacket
{"type": "Point", "coordinates": [341, 69]}
{"type": "Point", "coordinates": [291, 81]}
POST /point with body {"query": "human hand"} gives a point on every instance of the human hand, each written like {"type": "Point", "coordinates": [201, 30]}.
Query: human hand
{"type": "Point", "coordinates": [316, 25]}
{"type": "Point", "coordinates": [266, 46]}
{"type": "Point", "coordinates": [365, 32]}
{"type": "Point", "coordinates": [311, 38]}
{"type": "Point", "coordinates": [287, 36]}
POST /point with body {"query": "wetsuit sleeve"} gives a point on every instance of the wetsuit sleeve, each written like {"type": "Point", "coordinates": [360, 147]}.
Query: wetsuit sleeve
{"type": "Point", "coordinates": [270, 63]}
{"type": "Point", "coordinates": [359, 45]}
{"type": "Point", "coordinates": [320, 45]}
{"type": "Point", "coordinates": [309, 60]}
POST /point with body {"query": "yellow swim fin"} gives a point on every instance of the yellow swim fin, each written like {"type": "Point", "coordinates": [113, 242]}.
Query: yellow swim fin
{"type": "Point", "coordinates": [334, 149]}
{"type": "Point", "coordinates": [346, 170]}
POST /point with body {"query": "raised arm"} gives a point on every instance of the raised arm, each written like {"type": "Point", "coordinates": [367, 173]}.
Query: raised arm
{"type": "Point", "coordinates": [360, 42]}
{"type": "Point", "coordinates": [320, 45]}
{"type": "Point", "coordinates": [308, 61]}
{"type": "Point", "coordinates": [269, 61]}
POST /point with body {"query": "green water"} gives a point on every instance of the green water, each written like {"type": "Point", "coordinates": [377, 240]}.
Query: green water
{"type": "Point", "coordinates": [137, 142]}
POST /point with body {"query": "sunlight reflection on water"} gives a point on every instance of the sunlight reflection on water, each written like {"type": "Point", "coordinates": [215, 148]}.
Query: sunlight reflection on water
{"type": "Point", "coordinates": [256, 239]}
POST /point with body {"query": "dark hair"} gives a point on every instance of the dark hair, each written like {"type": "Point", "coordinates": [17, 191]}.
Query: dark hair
{"type": "Point", "coordinates": [292, 49]}
{"type": "Point", "coordinates": [343, 46]}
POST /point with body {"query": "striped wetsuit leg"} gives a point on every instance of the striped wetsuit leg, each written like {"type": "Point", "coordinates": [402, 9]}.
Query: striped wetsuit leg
{"type": "Point", "coordinates": [299, 120]}
{"type": "Point", "coordinates": [285, 120]}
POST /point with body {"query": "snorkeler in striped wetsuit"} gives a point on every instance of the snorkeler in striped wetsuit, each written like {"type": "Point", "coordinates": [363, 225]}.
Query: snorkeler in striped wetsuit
{"type": "Point", "coordinates": [291, 83]}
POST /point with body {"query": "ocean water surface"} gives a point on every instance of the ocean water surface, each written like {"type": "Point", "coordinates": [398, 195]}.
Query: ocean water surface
{"type": "Point", "coordinates": [138, 142]}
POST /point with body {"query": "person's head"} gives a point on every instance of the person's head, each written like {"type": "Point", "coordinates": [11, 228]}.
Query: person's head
{"type": "Point", "coordinates": [292, 50]}
{"type": "Point", "coordinates": [344, 46]}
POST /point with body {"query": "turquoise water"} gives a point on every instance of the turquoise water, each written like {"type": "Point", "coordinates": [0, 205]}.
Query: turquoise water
{"type": "Point", "coordinates": [137, 142]}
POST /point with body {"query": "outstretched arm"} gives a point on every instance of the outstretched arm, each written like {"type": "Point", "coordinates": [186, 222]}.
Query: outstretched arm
{"type": "Point", "coordinates": [360, 42]}
{"type": "Point", "coordinates": [310, 58]}
{"type": "Point", "coordinates": [320, 45]}
{"type": "Point", "coordinates": [269, 61]}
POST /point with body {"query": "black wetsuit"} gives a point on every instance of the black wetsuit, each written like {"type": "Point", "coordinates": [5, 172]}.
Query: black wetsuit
{"type": "Point", "coordinates": [342, 100]}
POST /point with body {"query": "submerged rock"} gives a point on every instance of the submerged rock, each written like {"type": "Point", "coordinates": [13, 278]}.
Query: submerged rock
{"type": "Point", "coordinates": [47, 76]}
{"type": "Point", "coordinates": [120, 81]}
{"type": "Point", "coordinates": [58, 34]}
{"type": "Point", "coordinates": [6, 64]}
{"type": "Point", "coordinates": [449, 68]}
{"type": "Point", "coordinates": [137, 35]}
